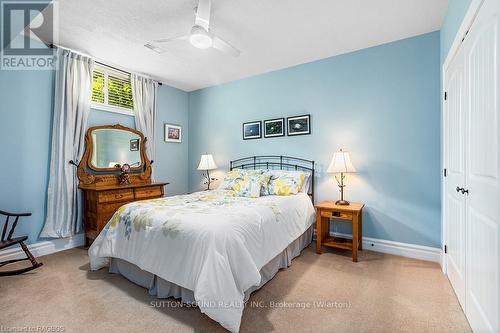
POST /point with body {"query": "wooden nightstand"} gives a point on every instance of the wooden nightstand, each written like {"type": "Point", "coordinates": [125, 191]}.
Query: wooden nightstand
{"type": "Point", "coordinates": [327, 210]}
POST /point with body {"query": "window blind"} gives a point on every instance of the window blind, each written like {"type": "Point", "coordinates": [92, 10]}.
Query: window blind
{"type": "Point", "coordinates": [111, 90]}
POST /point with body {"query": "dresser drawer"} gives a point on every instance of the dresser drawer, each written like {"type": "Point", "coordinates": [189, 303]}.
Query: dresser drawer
{"type": "Point", "coordinates": [116, 196]}
{"type": "Point", "coordinates": [336, 215]}
{"type": "Point", "coordinates": [148, 192]}
{"type": "Point", "coordinates": [106, 212]}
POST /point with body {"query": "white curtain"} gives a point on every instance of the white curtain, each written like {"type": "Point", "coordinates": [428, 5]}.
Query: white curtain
{"type": "Point", "coordinates": [73, 91]}
{"type": "Point", "coordinates": [144, 92]}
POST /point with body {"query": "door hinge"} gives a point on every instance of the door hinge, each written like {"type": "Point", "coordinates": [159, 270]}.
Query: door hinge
{"type": "Point", "coordinates": [445, 249]}
{"type": "Point", "coordinates": [445, 95]}
{"type": "Point", "coordinates": [445, 172]}
{"type": "Point", "coordinates": [465, 36]}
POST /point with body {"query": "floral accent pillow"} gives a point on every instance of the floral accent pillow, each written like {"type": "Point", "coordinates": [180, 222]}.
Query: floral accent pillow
{"type": "Point", "coordinates": [231, 178]}
{"type": "Point", "coordinates": [249, 186]}
{"type": "Point", "coordinates": [245, 183]}
{"type": "Point", "coordinates": [285, 183]}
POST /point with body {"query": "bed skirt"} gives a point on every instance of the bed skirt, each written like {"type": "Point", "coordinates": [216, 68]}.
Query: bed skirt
{"type": "Point", "coordinates": [164, 289]}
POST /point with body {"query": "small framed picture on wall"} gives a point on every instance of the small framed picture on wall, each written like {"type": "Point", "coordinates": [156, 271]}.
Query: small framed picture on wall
{"type": "Point", "coordinates": [134, 145]}
{"type": "Point", "coordinates": [299, 125]}
{"type": "Point", "coordinates": [252, 130]}
{"type": "Point", "coordinates": [173, 133]}
{"type": "Point", "coordinates": [274, 127]}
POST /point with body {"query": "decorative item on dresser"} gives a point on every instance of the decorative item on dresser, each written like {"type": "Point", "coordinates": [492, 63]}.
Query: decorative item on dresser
{"type": "Point", "coordinates": [352, 212]}
{"type": "Point", "coordinates": [107, 157]}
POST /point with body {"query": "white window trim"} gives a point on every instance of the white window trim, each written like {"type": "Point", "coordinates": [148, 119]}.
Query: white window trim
{"type": "Point", "coordinates": [111, 108]}
{"type": "Point", "coordinates": [106, 107]}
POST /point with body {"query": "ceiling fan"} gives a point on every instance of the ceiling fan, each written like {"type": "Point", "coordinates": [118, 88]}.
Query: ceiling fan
{"type": "Point", "coordinates": [200, 36]}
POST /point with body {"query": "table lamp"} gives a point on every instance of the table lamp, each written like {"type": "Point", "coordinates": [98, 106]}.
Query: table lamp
{"type": "Point", "coordinates": [341, 163]}
{"type": "Point", "coordinates": [206, 164]}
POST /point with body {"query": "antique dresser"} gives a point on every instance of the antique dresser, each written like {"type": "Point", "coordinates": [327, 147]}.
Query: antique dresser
{"type": "Point", "coordinates": [109, 151]}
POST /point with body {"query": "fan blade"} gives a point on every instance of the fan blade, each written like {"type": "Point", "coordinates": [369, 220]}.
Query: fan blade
{"type": "Point", "coordinates": [203, 14]}
{"type": "Point", "coordinates": [155, 48]}
{"type": "Point", "coordinates": [223, 46]}
{"type": "Point", "coordinates": [168, 40]}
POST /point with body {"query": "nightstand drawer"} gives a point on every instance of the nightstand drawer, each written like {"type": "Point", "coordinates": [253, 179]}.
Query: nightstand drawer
{"type": "Point", "coordinates": [336, 215]}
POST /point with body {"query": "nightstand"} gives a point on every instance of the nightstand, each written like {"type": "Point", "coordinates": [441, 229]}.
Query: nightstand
{"type": "Point", "coordinates": [353, 212]}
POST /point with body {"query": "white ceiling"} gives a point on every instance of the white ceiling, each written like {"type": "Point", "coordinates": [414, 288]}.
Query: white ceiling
{"type": "Point", "coordinates": [271, 34]}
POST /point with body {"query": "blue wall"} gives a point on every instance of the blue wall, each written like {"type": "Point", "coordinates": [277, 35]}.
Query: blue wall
{"type": "Point", "coordinates": [452, 21]}
{"type": "Point", "coordinates": [25, 113]}
{"type": "Point", "coordinates": [26, 117]}
{"type": "Point", "coordinates": [382, 104]}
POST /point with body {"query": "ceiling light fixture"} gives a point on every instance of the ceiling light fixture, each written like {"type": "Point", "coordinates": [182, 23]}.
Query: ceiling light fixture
{"type": "Point", "coordinates": [200, 38]}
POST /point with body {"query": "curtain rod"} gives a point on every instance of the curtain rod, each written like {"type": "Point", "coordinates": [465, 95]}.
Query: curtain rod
{"type": "Point", "coordinates": [53, 46]}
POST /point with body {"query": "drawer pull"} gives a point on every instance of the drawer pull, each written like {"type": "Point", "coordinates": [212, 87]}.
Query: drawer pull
{"type": "Point", "coordinates": [118, 196]}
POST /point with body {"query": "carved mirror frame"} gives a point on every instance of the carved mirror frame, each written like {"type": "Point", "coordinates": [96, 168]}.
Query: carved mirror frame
{"type": "Point", "coordinates": [91, 175]}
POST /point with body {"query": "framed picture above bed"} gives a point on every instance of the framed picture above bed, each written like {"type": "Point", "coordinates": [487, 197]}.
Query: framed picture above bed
{"type": "Point", "coordinates": [252, 130]}
{"type": "Point", "coordinates": [299, 125]}
{"type": "Point", "coordinates": [274, 127]}
{"type": "Point", "coordinates": [173, 133]}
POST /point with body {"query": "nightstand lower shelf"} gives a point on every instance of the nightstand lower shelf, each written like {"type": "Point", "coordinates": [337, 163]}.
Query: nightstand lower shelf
{"type": "Point", "coordinates": [338, 242]}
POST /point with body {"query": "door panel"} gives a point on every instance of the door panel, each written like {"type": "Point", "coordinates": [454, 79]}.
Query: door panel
{"type": "Point", "coordinates": [455, 163]}
{"type": "Point", "coordinates": [482, 164]}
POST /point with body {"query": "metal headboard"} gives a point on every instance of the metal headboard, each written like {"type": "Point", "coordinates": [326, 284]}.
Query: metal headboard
{"type": "Point", "coordinates": [276, 162]}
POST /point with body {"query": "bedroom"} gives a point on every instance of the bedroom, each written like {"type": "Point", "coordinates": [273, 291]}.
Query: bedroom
{"type": "Point", "coordinates": [250, 165]}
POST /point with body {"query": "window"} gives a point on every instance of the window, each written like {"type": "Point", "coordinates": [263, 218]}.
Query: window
{"type": "Point", "coordinates": [112, 90]}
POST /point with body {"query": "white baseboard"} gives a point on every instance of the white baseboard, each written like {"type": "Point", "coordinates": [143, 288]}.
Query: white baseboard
{"type": "Point", "coordinates": [399, 249]}
{"type": "Point", "coordinates": [43, 248]}
{"type": "Point", "coordinates": [379, 245]}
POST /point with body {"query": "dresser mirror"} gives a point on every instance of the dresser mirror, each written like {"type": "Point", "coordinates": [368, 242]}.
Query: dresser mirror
{"type": "Point", "coordinates": [107, 149]}
{"type": "Point", "coordinates": [113, 147]}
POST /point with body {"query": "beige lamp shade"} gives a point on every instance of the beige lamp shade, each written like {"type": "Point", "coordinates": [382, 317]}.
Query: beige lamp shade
{"type": "Point", "coordinates": [341, 162]}
{"type": "Point", "coordinates": [207, 162]}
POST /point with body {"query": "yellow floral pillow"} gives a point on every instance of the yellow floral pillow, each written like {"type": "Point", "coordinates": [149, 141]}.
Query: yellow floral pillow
{"type": "Point", "coordinates": [245, 183]}
{"type": "Point", "coordinates": [249, 186]}
{"type": "Point", "coordinates": [286, 183]}
{"type": "Point", "coordinates": [231, 178]}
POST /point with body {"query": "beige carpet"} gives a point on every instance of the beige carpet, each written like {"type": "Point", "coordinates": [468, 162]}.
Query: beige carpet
{"type": "Point", "coordinates": [380, 293]}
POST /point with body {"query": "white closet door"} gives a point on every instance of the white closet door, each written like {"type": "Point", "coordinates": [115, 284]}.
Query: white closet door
{"type": "Point", "coordinates": [454, 200]}
{"type": "Point", "coordinates": [482, 54]}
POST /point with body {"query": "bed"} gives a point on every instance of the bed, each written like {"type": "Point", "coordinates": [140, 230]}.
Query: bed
{"type": "Point", "coordinates": [209, 248]}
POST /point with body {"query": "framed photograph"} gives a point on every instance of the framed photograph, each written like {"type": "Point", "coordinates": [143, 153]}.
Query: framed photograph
{"type": "Point", "coordinates": [299, 125]}
{"type": "Point", "coordinates": [274, 127]}
{"type": "Point", "coordinates": [252, 130]}
{"type": "Point", "coordinates": [173, 133]}
{"type": "Point", "coordinates": [134, 145]}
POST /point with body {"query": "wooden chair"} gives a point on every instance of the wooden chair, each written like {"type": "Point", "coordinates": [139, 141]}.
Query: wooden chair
{"type": "Point", "coordinates": [9, 241]}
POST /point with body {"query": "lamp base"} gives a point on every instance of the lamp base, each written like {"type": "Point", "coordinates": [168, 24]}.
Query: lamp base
{"type": "Point", "coordinates": [342, 202]}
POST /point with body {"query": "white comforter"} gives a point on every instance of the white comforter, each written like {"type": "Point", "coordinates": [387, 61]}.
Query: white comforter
{"type": "Point", "coordinates": [211, 242]}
